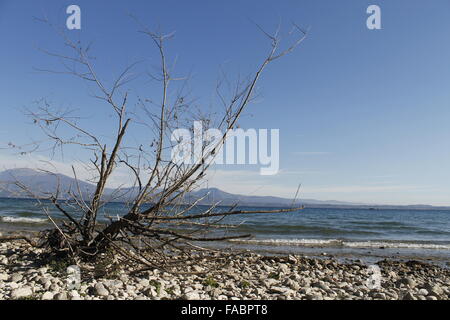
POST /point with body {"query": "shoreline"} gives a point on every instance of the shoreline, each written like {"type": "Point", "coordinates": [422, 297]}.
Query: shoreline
{"type": "Point", "coordinates": [363, 255]}
{"type": "Point", "coordinates": [224, 276]}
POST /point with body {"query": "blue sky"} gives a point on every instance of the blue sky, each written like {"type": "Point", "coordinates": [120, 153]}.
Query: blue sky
{"type": "Point", "coordinates": [363, 114]}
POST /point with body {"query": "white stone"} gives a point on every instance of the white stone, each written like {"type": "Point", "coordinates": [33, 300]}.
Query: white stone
{"type": "Point", "coordinates": [21, 293]}
{"type": "Point", "coordinates": [100, 290]}
{"type": "Point", "coordinates": [17, 277]}
{"type": "Point", "coordinates": [47, 296]}
{"type": "Point", "coordinates": [192, 295]}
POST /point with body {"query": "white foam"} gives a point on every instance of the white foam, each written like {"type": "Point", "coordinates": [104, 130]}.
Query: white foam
{"type": "Point", "coordinates": [340, 243]}
{"type": "Point", "coordinates": [400, 245]}
{"type": "Point", "coordinates": [290, 242]}
{"type": "Point", "coordinates": [23, 220]}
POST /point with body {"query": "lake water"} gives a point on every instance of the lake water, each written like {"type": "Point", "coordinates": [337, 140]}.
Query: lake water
{"type": "Point", "coordinates": [415, 234]}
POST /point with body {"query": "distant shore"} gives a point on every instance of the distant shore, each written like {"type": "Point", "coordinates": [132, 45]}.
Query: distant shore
{"type": "Point", "coordinates": [241, 275]}
{"type": "Point", "coordinates": [284, 203]}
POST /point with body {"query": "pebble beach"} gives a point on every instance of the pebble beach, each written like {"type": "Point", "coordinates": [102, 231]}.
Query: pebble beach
{"type": "Point", "coordinates": [242, 276]}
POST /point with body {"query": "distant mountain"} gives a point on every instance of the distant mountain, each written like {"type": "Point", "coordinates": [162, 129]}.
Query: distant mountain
{"type": "Point", "coordinates": [42, 184]}
{"type": "Point", "coordinates": [39, 183]}
{"type": "Point", "coordinates": [213, 195]}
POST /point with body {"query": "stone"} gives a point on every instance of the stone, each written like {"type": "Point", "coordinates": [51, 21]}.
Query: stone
{"type": "Point", "coordinates": [17, 277]}
{"type": "Point", "coordinates": [100, 290]}
{"type": "Point", "coordinates": [409, 296]}
{"type": "Point", "coordinates": [216, 292]}
{"type": "Point", "coordinates": [47, 285]}
{"type": "Point", "coordinates": [292, 259]}
{"type": "Point", "coordinates": [283, 268]}
{"type": "Point", "coordinates": [305, 291]}
{"type": "Point", "coordinates": [270, 282]}
{"type": "Point", "coordinates": [283, 291]}
{"type": "Point", "coordinates": [114, 284]}
{"type": "Point", "coordinates": [423, 292]}
{"type": "Point", "coordinates": [130, 288]}
{"type": "Point", "coordinates": [151, 292]}
{"type": "Point", "coordinates": [379, 295]}
{"type": "Point", "coordinates": [314, 297]}
{"type": "Point", "coordinates": [434, 289]}
{"type": "Point", "coordinates": [144, 283]}
{"type": "Point", "coordinates": [410, 282]}
{"type": "Point", "coordinates": [47, 296]}
{"type": "Point", "coordinates": [392, 274]}
{"type": "Point", "coordinates": [74, 294]}
{"type": "Point", "coordinates": [198, 286]}
{"type": "Point", "coordinates": [321, 285]}
{"type": "Point", "coordinates": [198, 269]}
{"type": "Point", "coordinates": [21, 293]}
{"type": "Point", "coordinates": [54, 287]}
{"type": "Point", "coordinates": [60, 296]}
{"type": "Point", "coordinates": [13, 285]}
{"type": "Point", "coordinates": [293, 285]}
{"type": "Point", "coordinates": [192, 295]}
{"type": "Point", "coordinates": [43, 270]}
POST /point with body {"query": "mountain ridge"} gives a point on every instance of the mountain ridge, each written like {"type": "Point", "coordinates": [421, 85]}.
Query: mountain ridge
{"type": "Point", "coordinates": [42, 183]}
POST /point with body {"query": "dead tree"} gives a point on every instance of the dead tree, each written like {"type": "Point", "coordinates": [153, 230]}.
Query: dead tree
{"type": "Point", "coordinates": [158, 218]}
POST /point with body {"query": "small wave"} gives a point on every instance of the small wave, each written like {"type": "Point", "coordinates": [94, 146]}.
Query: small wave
{"type": "Point", "coordinates": [290, 242]}
{"type": "Point", "coordinates": [341, 243]}
{"type": "Point", "coordinates": [399, 245]}
{"type": "Point", "coordinates": [23, 220]}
